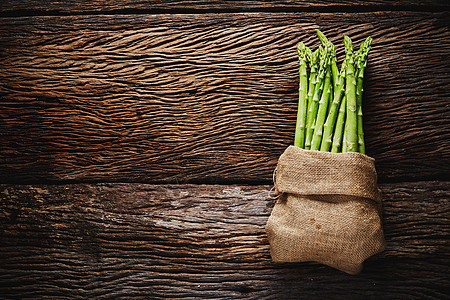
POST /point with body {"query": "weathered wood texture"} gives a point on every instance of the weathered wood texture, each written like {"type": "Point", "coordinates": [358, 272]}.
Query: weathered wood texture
{"type": "Point", "coordinates": [163, 241]}
{"type": "Point", "coordinates": [27, 7]}
{"type": "Point", "coordinates": [207, 98]}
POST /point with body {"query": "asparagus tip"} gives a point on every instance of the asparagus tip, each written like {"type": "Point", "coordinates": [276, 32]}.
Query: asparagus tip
{"type": "Point", "coordinates": [348, 45]}
{"type": "Point", "coordinates": [309, 54]}
{"type": "Point", "coordinates": [302, 52]}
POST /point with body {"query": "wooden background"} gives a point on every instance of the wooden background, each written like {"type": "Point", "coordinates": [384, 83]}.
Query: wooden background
{"type": "Point", "coordinates": [138, 141]}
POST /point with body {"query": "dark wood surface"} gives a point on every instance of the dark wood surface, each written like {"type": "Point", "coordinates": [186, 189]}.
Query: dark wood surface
{"type": "Point", "coordinates": [208, 97]}
{"type": "Point", "coordinates": [70, 7]}
{"type": "Point", "coordinates": [202, 241]}
{"type": "Point", "coordinates": [103, 93]}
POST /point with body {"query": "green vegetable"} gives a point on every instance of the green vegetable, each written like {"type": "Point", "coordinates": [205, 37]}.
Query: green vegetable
{"type": "Point", "coordinates": [361, 63]}
{"type": "Point", "coordinates": [351, 124]}
{"type": "Point", "coordinates": [330, 114]}
{"type": "Point", "coordinates": [322, 112]}
{"type": "Point", "coordinates": [339, 131]}
{"type": "Point", "coordinates": [314, 57]}
{"type": "Point", "coordinates": [326, 43]}
{"type": "Point", "coordinates": [314, 105]}
{"type": "Point", "coordinates": [299, 140]}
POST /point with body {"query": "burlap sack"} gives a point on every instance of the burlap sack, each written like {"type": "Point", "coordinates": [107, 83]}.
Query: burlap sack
{"type": "Point", "coordinates": [328, 210]}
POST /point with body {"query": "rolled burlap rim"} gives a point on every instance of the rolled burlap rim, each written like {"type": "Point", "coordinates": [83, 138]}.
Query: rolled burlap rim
{"type": "Point", "coordinates": [329, 209]}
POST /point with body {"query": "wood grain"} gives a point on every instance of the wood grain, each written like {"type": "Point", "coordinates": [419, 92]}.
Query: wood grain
{"type": "Point", "coordinates": [202, 242]}
{"type": "Point", "coordinates": [207, 98]}
{"type": "Point", "coordinates": [39, 7]}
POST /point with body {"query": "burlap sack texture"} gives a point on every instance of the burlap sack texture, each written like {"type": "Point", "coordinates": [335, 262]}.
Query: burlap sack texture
{"type": "Point", "coordinates": [329, 209]}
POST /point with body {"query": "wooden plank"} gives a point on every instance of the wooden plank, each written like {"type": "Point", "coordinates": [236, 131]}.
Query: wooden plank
{"type": "Point", "coordinates": [207, 98]}
{"type": "Point", "coordinates": [30, 7]}
{"type": "Point", "coordinates": [205, 241]}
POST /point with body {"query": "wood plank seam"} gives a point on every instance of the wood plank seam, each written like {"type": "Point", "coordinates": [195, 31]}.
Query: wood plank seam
{"type": "Point", "coordinates": [10, 11]}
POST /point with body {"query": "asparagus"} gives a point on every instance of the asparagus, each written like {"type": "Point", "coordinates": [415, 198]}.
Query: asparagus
{"type": "Point", "coordinates": [313, 106]}
{"type": "Point", "coordinates": [312, 58]}
{"type": "Point", "coordinates": [332, 114]}
{"type": "Point", "coordinates": [299, 139]}
{"type": "Point", "coordinates": [329, 114]}
{"type": "Point", "coordinates": [351, 128]}
{"type": "Point", "coordinates": [326, 42]}
{"type": "Point", "coordinates": [322, 112]}
{"type": "Point", "coordinates": [344, 138]}
{"type": "Point", "coordinates": [339, 130]}
{"type": "Point", "coordinates": [361, 54]}
{"type": "Point", "coordinates": [361, 65]}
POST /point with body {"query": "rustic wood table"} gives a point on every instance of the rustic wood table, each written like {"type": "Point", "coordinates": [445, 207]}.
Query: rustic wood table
{"type": "Point", "coordinates": [138, 141]}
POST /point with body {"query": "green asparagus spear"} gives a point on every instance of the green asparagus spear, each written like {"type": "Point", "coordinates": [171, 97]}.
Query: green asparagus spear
{"type": "Point", "coordinates": [313, 106]}
{"type": "Point", "coordinates": [339, 130]}
{"type": "Point", "coordinates": [326, 43]}
{"type": "Point", "coordinates": [351, 128]}
{"type": "Point", "coordinates": [322, 112]}
{"type": "Point", "coordinates": [359, 116]}
{"type": "Point", "coordinates": [361, 63]}
{"type": "Point", "coordinates": [333, 112]}
{"type": "Point", "coordinates": [299, 140]}
{"type": "Point", "coordinates": [344, 137]}
{"type": "Point", "coordinates": [361, 54]}
{"type": "Point", "coordinates": [312, 58]}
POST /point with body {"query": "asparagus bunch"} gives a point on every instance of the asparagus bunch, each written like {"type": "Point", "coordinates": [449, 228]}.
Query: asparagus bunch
{"type": "Point", "coordinates": [330, 99]}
